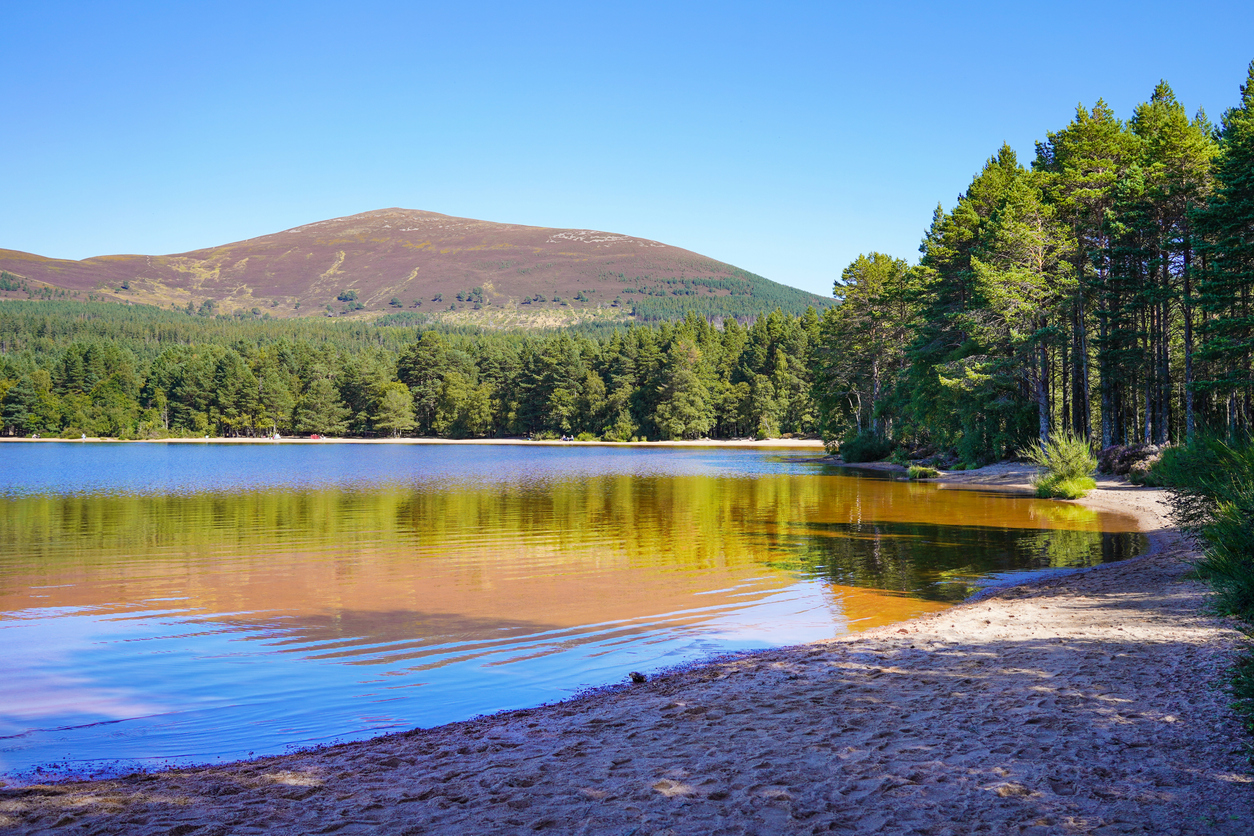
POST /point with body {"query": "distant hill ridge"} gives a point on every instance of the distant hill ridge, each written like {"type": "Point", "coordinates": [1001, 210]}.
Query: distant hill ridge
{"type": "Point", "coordinates": [421, 263]}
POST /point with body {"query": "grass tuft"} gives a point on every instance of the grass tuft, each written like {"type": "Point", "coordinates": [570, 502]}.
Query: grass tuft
{"type": "Point", "coordinates": [920, 472]}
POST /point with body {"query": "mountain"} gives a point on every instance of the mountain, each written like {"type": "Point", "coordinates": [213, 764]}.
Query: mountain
{"type": "Point", "coordinates": [402, 260]}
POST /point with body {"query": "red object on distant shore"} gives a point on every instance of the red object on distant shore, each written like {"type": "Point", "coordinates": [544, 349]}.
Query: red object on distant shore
{"type": "Point", "coordinates": [315, 437]}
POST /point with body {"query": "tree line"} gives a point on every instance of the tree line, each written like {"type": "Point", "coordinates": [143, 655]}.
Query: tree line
{"type": "Point", "coordinates": [1103, 290]}
{"type": "Point", "coordinates": [132, 372]}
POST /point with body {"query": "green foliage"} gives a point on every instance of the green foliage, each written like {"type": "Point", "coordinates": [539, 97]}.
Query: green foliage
{"type": "Point", "coordinates": [1243, 690]}
{"type": "Point", "coordinates": [1064, 457]}
{"type": "Point", "coordinates": [1226, 283]}
{"type": "Point", "coordinates": [1063, 487]}
{"type": "Point", "coordinates": [920, 472]}
{"type": "Point", "coordinates": [864, 339]}
{"type": "Point", "coordinates": [133, 371]}
{"type": "Point", "coordinates": [1104, 291]}
{"type": "Point", "coordinates": [1068, 465]}
{"type": "Point", "coordinates": [1212, 496]}
{"type": "Point", "coordinates": [865, 446]}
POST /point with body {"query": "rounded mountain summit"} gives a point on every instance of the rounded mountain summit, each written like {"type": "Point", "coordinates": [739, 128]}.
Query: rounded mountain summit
{"type": "Point", "coordinates": [406, 264]}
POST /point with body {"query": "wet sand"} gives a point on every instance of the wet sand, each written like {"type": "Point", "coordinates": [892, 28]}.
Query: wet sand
{"type": "Point", "coordinates": [1081, 704]}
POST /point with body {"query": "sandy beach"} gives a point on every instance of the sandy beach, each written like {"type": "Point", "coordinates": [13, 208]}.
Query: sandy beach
{"type": "Point", "coordinates": [1087, 703]}
{"type": "Point", "coordinates": [811, 444]}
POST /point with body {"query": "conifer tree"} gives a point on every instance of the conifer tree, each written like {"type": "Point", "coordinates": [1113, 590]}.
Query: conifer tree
{"type": "Point", "coordinates": [1227, 279]}
{"type": "Point", "coordinates": [1084, 162]}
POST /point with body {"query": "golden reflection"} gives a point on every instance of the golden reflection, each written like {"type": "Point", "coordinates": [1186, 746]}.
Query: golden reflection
{"type": "Point", "coordinates": [471, 559]}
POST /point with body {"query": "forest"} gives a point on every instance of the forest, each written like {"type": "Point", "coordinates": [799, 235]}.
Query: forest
{"type": "Point", "coordinates": [108, 370]}
{"type": "Point", "coordinates": [1102, 290]}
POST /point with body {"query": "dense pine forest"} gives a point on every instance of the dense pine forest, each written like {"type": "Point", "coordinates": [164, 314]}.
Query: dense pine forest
{"type": "Point", "coordinates": [140, 372]}
{"type": "Point", "coordinates": [1103, 289]}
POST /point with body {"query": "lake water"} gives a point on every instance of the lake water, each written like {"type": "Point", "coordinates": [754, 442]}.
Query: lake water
{"type": "Point", "coordinates": [175, 603]}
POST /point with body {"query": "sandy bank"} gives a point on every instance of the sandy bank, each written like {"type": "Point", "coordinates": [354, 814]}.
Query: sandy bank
{"type": "Point", "coordinates": [1082, 704]}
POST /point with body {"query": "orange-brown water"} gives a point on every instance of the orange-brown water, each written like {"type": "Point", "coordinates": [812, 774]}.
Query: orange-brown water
{"type": "Point", "coordinates": [208, 622]}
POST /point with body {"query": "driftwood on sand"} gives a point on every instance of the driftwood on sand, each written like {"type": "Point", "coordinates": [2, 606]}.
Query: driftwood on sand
{"type": "Point", "coordinates": [1087, 703]}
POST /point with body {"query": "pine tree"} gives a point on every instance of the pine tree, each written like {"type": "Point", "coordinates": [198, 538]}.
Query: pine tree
{"type": "Point", "coordinates": [1022, 277]}
{"type": "Point", "coordinates": [684, 409]}
{"type": "Point", "coordinates": [1226, 283]}
{"type": "Point", "coordinates": [1178, 154]}
{"type": "Point", "coordinates": [394, 413]}
{"type": "Point", "coordinates": [1084, 163]}
{"type": "Point", "coordinates": [864, 338]}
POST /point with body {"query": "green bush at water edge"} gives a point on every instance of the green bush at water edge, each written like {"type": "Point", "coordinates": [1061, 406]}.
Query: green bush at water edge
{"type": "Point", "coordinates": [1055, 487]}
{"type": "Point", "coordinates": [920, 472]}
{"type": "Point", "coordinates": [1069, 466]}
{"type": "Point", "coordinates": [865, 447]}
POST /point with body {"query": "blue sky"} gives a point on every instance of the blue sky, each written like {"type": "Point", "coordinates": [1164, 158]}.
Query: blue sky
{"type": "Point", "coordinates": [785, 138]}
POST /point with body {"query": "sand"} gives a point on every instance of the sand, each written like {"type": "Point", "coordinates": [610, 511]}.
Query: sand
{"type": "Point", "coordinates": [809, 444]}
{"type": "Point", "coordinates": [1088, 703]}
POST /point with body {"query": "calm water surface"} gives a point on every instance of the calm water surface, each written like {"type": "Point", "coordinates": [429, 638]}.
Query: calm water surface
{"type": "Point", "coordinates": [185, 603]}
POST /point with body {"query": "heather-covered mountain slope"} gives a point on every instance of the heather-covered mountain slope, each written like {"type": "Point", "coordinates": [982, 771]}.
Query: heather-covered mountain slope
{"type": "Point", "coordinates": [393, 260]}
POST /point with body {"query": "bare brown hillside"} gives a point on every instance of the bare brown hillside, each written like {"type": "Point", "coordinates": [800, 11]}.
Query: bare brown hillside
{"type": "Point", "coordinates": [402, 259]}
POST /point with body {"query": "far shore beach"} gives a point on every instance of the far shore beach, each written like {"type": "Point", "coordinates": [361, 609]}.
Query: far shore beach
{"type": "Point", "coordinates": [800, 443]}
{"type": "Point", "coordinates": [1090, 702]}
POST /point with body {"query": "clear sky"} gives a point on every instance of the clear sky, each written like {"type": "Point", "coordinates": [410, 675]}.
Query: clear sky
{"type": "Point", "coordinates": [785, 138]}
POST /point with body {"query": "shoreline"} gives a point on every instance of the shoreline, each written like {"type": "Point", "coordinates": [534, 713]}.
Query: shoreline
{"type": "Point", "coordinates": [1070, 704]}
{"type": "Point", "coordinates": [783, 443]}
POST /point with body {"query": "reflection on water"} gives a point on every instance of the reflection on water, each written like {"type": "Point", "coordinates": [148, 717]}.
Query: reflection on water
{"type": "Point", "coordinates": [179, 620]}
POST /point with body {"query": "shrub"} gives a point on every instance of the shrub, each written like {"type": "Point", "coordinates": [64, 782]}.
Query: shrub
{"type": "Point", "coordinates": [920, 472]}
{"type": "Point", "coordinates": [1068, 466]}
{"type": "Point", "coordinates": [586, 436]}
{"type": "Point", "coordinates": [1122, 459]}
{"type": "Point", "coordinates": [1212, 496]}
{"type": "Point", "coordinates": [1243, 689]}
{"type": "Point", "coordinates": [865, 447]}
{"type": "Point", "coordinates": [1143, 472]}
{"type": "Point", "coordinates": [1060, 487]}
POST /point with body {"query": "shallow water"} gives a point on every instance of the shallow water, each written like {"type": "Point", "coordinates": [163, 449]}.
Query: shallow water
{"type": "Point", "coordinates": [176, 603]}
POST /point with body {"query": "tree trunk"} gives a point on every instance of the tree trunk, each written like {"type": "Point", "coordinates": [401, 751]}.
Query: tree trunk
{"type": "Point", "coordinates": [1103, 368]}
{"type": "Point", "coordinates": [1187, 304]}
